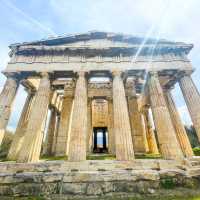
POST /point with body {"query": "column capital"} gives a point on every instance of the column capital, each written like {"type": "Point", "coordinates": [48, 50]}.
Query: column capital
{"type": "Point", "coordinates": [70, 84]}
{"type": "Point", "coordinates": [116, 73]}
{"type": "Point", "coordinates": [153, 73]}
{"type": "Point", "coordinates": [44, 74]}
{"type": "Point", "coordinates": [187, 72]}
{"type": "Point", "coordinates": [108, 98]}
{"type": "Point", "coordinates": [81, 73]}
{"type": "Point", "coordinates": [13, 76]}
{"type": "Point", "coordinates": [130, 88]}
{"type": "Point", "coordinates": [130, 82]}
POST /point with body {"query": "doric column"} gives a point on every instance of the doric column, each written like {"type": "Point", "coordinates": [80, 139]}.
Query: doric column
{"type": "Point", "coordinates": [179, 128]}
{"type": "Point", "coordinates": [136, 119]}
{"type": "Point", "coordinates": [31, 147]}
{"type": "Point", "coordinates": [137, 126]}
{"type": "Point", "coordinates": [192, 99]}
{"type": "Point", "coordinates": [122, 128]}
{"type": "Point", "coordinates": [21, 128]}
{"type": "Point", "coordinates": [151, 139]}
{"type": "Point", "coordinates": [111, 135]}
{"type": "Point", "coordinates": [63, 130]}
{"type": "Point", "coordinates": [56, 133]}
{"type": "Point", "coordinates": [89, 138]}
{"type": "Point", "coordinates": [6, 99]}
{"type": "Point", "coordinates": [169, 146]}
{"type": "Point", "coordinates": [77, 145]}
{"type": "Point", "coordinates": [50, 132]}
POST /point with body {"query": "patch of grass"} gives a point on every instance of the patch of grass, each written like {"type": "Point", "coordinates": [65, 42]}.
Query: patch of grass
{"type": "Point", "coordinates": [112, 157]}
{"type": "Point", "coordinates": [50, 158]}
{"type": "Point", "coordinates": [148, 156]}
{"type": "Point", "coordinates": [121, 198]}
{"type": "Point", "coordinates": [162, 198]}
{"type": "Point", "coordinates": [168, 183]}
{"type": "Point", "coordinates": [30, 198]}
{"type": "Point", "coordinates": [196, 151]}
{"type": "Point", "coordinates": [5, 159]}
{"type": "Point", "coordinates": [101, 157]}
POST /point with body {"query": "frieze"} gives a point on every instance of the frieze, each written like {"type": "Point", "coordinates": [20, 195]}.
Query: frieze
{"type": "Point", "coordinates": [63, 58]}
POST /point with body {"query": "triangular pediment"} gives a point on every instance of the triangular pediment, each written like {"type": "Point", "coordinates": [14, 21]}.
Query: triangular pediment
{"type": "Point", "coordinates": [101, 41]}
{"type": "Point", "coordinates": [97, 37]}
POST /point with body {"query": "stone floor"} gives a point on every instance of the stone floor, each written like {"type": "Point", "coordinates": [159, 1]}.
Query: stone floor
{"type": "Point", "coordinates": [95, 178]}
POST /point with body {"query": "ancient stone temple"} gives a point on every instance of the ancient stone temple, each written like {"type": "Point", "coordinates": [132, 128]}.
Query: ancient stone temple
{"type": "Point", "coordinates": [99, 82]}
{"type": "Point", "coordinates": [100, 92]}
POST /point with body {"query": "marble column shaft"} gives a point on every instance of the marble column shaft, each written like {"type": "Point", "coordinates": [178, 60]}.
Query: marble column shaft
{"type": "Point", "coordinates": [138, 127]}
{"type": "Point", "coordinates": [169, 146]}
{"type": "Point", "coordinates": [111, 135]}
{"type": "Point", "coordinates": [179, 128]}
{"type": "Point", "coordinates": [7, 97]}
{"type": "Point", "coordinates": [122, 128]}
{"type": "Point", "coordinates": [31, 147]}
{"type": "Point", "coordinates": [192, 99]}
{"type": "Point", "coordinates": [56, 133]}
{"type": "Point", "coordinates": [21, 128]}
{"type": "Point", "coordinates": [63, 130]}
{"type": "Point", "coordinates": [51, 132]}
{"type": "Point", "coordinates": [89, 138]}
{"type": "Point", "coordinates": [151, 139]}
{"type": "Point", "coordinates": [79, 125]}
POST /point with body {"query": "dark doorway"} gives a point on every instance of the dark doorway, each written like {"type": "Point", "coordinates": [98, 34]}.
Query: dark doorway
{"type": "Point", "coordinates": [100, 140]}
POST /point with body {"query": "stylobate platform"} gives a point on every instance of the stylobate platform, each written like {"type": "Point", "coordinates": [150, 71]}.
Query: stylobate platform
{"type": "Point", "coordinates": [93, 178]}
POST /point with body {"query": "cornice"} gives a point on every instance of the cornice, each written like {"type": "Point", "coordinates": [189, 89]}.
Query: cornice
{"type": "Point", "coordinates": [62, 43]}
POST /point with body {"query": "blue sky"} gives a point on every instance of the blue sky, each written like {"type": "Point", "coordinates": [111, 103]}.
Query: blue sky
{"type": "Point", "coordinates": [27, 20]}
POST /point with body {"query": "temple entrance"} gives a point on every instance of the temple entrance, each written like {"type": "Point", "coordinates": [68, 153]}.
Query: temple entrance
{"type": "Point", "coordinates": [100, 140]}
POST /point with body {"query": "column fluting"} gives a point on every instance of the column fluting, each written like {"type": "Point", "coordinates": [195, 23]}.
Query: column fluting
{"type": "Point", "coordinates": [51, 132]}
{"type": "Point", "coordinates": [7, 97]}
{"type": "Point", "coordinates": [179, 128]}
{"type": "Point", "coordinates": [21, 128]}
{"type": "Point", "coordinates": [31, 146]}
{"type": "Point", "coordinates": [63, 130]}
{"type": "Point", "coordinates": [77, 144]}
{"type": "Point", "coordinates": [122, 128]}
{"type": "Point", "coordinates": [169, 146]}
{"type": "Point", "coordinates": [111, 133]}
{"type": "Point", "coordinates": [89, 138]}
{"type": "Point", "coordinates": [151, 139]}
{"type": "Point", "coordinates": [192, 99]}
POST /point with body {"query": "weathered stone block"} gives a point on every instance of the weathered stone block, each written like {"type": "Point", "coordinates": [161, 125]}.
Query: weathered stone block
{"type": "Point", "coordinates": [94, 189]}
{"type": "Point", "coordinates": [73, 188]}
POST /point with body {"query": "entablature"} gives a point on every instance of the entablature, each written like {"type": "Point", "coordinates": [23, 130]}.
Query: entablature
{"type": "Point", "coordinates": [97, 57]}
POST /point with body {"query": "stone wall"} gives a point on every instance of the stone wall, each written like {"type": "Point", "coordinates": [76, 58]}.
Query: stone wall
{"type": "Point", "coordinates": [59, 178]}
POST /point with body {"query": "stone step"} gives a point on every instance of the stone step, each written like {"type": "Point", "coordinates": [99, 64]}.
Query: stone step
{"type": "Point", "coordinates": [195, 171]}
{"type": "Point", "coordinates": [195, 163]}
{"type": "Point", "coordinates": [90, 165]}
